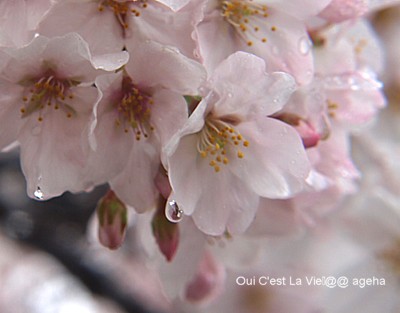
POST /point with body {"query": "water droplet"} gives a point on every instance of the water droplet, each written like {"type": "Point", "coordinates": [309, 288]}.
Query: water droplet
{"type": "Point", "coordinates": [38, 194]}
{"type": "Point", "coordinates": [230, 95]}
{"type": "Point", "coordinates": [359, 81]}
{"type": "Point", "coordinates": [173, 213]}
{"type": "Point", "coordinates": [304, 45]}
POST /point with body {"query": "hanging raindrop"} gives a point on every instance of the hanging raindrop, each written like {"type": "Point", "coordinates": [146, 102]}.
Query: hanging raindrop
{"type": "Point", "coordinates": [173, 213]}
{"type": "Point", "coordinates": [38, 194]}
{"type": "Point", "coordinates": [304, 45]}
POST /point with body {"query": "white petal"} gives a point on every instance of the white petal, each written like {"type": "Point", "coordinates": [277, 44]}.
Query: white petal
{"type": "Point", "coordinates": [52, 151]}
{"type": "Point", "coordinates": [100, 29]}
{"type": "Point", "coordinates": [110, 61]}
{"type": "Point", "coordinates": [253, 91]}
{"type": "Point", "coordinates": [183, 169]}
{"type": "Point", "coordinates": [275, 164]}
{"type": "Point", "coordinates": [154, 64]}
{"type": "Point", "coordinates": [135, 184]}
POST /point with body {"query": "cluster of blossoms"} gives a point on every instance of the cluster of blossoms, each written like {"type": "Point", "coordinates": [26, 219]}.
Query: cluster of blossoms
{"type": "Point", "coordinates": [215, 122]}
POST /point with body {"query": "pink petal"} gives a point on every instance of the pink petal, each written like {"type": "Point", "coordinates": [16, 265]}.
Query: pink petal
{"type": "Point", "coordinates": [10, 116]}
{"type": "Point", "coordinates": [183, 169]}
{"type": "Point", "coordinates": [84, 18]}
{"type": "Point", "coordinates": [287, 47]}
{"type": "Point", "coordinates": [52, 151]}
{"type": "Point", "coordinates": [208, 282]}
{"type": "Point", "coordinates": [160, 24]}
{"type": "Point", "coordinates": [253, 91]}
{"type": "Point", "coordinates": [155, 64]}
{"type": "Point", "coordinates": [301, 9]}
{"type": "Point", "coordinates": [275, 163]}
{"type": "Point", "coordinates": [175, 5]}
{"type": "Point", "coordinates": [168, 114]}
{"type": "Point", "coordinates": [135, 184]}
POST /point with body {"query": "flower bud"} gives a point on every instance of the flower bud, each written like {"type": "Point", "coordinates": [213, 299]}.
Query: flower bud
{"type": "Point", "coordinates": [208, 282]}
{"type": "Point", "coordinates": [113, 216]}
{"type": "Point", "coordinates": [162, 183]}
{"type": "Point", "coordinates": [309, 135]}
{"type": "Point", "coordinates": [165, 232]}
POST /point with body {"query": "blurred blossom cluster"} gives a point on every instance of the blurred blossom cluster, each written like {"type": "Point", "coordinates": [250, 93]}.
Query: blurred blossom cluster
{"type": "Point", "coordinates": [238, 139]}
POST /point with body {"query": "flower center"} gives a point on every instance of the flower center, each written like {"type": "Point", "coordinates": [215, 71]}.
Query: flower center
{"type": "Point", "coordinates": [134, 109]}
{"type": "Point", "coordinates": [247, 18]}
{"type": "Point", "coordinates": [121, 10]}
{"type": "Point", "coordinates": [47, 90]}
{"type": "Point", "coordinates": [218, 140]}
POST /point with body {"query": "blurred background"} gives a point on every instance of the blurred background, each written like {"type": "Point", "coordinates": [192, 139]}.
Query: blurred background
{"type": "Point", "coordinates": [48, 262]}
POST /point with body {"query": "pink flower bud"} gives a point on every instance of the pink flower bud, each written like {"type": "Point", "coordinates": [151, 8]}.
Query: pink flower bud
{"type": "Point", "coordinates": [208, 282]}
{"type": "Point", "coordinates": [112, 214]}
{"type": "Point", "coordinates": [308, 134]}
{"type": "Point", "coordinates": [165, 232]}
{"type": "Point", "coordinates": [162, 183]}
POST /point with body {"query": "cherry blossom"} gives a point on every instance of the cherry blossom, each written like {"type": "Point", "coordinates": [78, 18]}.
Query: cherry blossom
{"type": "Point", "coordinates": [247, 138]}
{"type": "Point", "coordinates": [46, 104]}
{"type": "Point", "coordinates": [227, 154]}
{"type": "Point", "coordinates": [272, 30]}
{"type": "Point", "coordinates": [141, 107]}
{"type": "Point", "coordinates": [110, 25]}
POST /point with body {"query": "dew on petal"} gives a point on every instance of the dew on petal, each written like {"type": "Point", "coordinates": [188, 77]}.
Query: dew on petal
{"type": "Point", "coordinates": [172, 212]}
{"type": "Point", "coordinates": [38, 194]}
{"type": "Point", "coordinates": [362, 81]}
{"type": "Point", "coordinates": [304, 45]}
